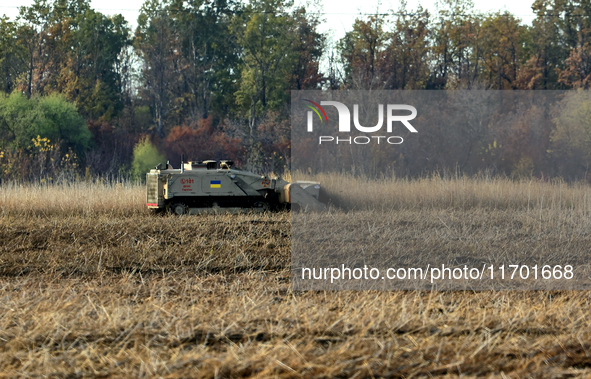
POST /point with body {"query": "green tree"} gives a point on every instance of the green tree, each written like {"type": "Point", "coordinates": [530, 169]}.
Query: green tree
{"type": "Point", "coordinates": [571, 139]}
{"type": "Point", "coordinates": [309, 44]}
{"type": "Point", "coordinates": [408, 52]}
{"type": "Point", "coordinates": [51, 117]}
{"type": "Point", "coordinates": [189, 60]}
{"type": "Point", "coordinates": [265, 32]}
{"type": "Point", "coordinates": [64, 123]}
{"type": "Point", "coordinates": [362, 52]}
{"type": "Point", "coordinates": [387, 54]}
{"type": "Point", "coordinates": [157, 43]}
{"type": "Point", "coordinates": [209, 56]}
{"type": "Point", "coordinates": [502, 50]}
{"type": "Point", "coordinates": [559, 27]}
{"type": "Point", "coordinates": [33, 34]}
{"type": "Point", "coordinates": [89, 77]}
{"type": "Point", "coordinates": [73, 50]}
{"type": "Point", "coordinates": [12, 55]}
{"type": "Point", "coordinates": [145, 157]}
{"type": "Point", "coordinates": [455, 46]}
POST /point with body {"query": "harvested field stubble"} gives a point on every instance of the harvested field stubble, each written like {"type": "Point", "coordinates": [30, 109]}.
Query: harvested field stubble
{"type": "Point", "coordinates": [95, 286]}
{"type": "Point", "coordinates": [250, 324]}
{"type": "Point", "coordinates": [93, 246]}
{"type": "Point", "coordinates": [422, 238]}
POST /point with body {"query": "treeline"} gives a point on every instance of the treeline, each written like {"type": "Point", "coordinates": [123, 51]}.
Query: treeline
{"type": "Point", "coordinates": [211, 79]}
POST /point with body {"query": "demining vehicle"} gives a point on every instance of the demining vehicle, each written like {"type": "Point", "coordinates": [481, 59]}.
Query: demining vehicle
{"type": "Point", "coordinates": [211, 187]}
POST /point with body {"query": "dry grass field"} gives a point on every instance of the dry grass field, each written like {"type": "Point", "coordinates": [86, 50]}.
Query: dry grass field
{"type": "Point", "coordinates": [93, 285]}
{"type": "Point", "coordinates": [394, 223]}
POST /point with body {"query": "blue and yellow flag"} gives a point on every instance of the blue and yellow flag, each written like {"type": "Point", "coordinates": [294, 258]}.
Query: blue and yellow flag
{"type": "Point", "coordinates": [215, 184]}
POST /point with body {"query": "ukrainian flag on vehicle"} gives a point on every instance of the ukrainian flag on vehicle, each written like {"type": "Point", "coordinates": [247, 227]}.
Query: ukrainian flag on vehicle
{"type": "Point", "coordinates": [215, 184]}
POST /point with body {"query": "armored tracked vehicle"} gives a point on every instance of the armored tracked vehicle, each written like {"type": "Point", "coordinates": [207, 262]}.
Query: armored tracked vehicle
{"type": "Point", "coordinates": [210, 187]}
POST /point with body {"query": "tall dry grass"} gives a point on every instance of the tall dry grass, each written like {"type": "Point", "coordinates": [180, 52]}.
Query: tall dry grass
{"type": "Point", "coordinates": [345, 191]}
{"type": "Point", "coordinates": [74, 198]}
{"type": "Point", "coordinates": [464, 193]}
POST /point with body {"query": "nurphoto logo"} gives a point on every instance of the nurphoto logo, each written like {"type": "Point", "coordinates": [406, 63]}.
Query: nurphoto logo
{"type": "Point", "coordinates": [344, 116]}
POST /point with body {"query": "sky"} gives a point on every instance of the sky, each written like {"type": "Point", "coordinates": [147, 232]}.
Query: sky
{"type": "Point", "coordinates": [339, 14]}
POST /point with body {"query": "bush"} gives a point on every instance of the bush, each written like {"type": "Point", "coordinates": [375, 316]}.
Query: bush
{"type": "Point", "coordinates": [145, 157]}
{"type": "Point", "coordinates": [51, 117]}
